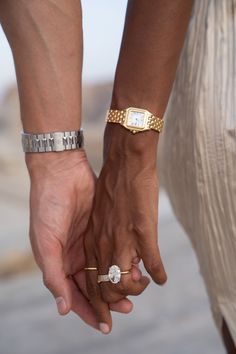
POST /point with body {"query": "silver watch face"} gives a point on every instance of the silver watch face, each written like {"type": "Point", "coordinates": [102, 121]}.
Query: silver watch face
{"type": "Point", "coordinates": [136, 119]}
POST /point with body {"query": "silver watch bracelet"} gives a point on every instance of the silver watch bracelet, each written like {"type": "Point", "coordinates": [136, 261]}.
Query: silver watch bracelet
{"type": "Point", "coordinates": [54, 141]}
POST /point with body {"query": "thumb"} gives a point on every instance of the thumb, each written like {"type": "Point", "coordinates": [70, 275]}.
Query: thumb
{"type": "Point", "coordinates": [54, 278]}
{"type": "Point", "coordinates": [153, 263]}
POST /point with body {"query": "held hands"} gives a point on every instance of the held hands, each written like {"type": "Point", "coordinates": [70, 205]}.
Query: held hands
{"type": "Point", "coordinates": [62, 191]}
{"type": "Point", "coordinates": [121, 229]}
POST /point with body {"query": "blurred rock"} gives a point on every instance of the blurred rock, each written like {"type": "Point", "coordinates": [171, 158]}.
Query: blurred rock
{"type": "Point", "coordinates": [16, 263]}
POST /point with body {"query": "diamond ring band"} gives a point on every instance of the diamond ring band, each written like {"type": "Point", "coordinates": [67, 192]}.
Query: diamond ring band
{"type": "Point", "coordinates": [114, 275]}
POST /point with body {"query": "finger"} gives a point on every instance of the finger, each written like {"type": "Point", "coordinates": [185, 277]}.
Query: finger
{"type": "Point", "coordinates": [153, 263]}
{"type": "Point", "coordinates": [136, 260]}
{"type": "Point", "coordinates": [133, 283]}
{"type": "Point", "coordinates": [82, 307]}
{"type": "Point", "coordinates": [100, 307]}
{"type": "Point", "coordinates": [55, 280]}
{"type": "Point", "coordinates": [136, 273]}
{"type": "Point", "coordinates": [80, 280]}
{"type": "Point", "coordinates": [131, 286]}
{"type": "Point", "coordinates": [122, 306]}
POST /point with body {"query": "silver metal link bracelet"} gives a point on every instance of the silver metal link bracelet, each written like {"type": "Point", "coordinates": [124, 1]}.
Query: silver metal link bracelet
{"type": "Point", "coordinates": [56, 141]}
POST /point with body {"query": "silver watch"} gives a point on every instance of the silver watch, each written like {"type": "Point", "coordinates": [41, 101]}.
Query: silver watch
{"type": "Point", "coordinates": [56, 141]}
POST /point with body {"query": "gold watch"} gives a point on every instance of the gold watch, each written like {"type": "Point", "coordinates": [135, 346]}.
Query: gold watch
{"type": "Point", "coordinates": [135, 119]}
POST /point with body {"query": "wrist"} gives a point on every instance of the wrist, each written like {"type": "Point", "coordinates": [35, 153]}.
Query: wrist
{"type": "Point", "coordinates": [121, 144]}
{"type": "Point", "coordinates": [41, 165]}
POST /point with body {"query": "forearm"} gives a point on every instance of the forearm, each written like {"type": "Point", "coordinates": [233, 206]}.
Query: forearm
{"type": "Point", "coordinates": [46, 41]}
{"type": "Point", "coordinates": [153, 37]}
{"type": "Point", "coordinates": [128, 184]}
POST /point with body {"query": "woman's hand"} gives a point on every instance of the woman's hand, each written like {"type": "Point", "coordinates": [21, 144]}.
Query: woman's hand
{"type": "Point", "coordinates": [62, 191]}
{"type": "Point", "coordinates": [123, 223]}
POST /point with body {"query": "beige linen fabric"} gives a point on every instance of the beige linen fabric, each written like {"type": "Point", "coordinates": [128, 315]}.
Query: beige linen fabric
{"type": "Point", "coordinates": [198, 149]}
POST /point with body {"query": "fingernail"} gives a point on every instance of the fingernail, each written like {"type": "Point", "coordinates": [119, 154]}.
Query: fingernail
{"type": "Point", "coordinates": [61, 305]}
{"type": "Point", "coordinates": [104, 328]}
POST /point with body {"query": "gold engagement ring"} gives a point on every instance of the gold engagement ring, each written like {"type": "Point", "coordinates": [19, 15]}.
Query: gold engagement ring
{"type": "Point", "coordinates": [114, 275]}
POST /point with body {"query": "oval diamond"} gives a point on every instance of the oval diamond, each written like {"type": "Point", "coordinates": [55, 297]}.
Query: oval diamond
{"type": "Point", "coordinates": [114, 274]}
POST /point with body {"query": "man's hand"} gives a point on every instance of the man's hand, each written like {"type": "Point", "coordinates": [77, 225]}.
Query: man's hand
{"type": "Point", "coordinates": [123, 225]}
{"type": "Point", "coordinates": [62, 191]}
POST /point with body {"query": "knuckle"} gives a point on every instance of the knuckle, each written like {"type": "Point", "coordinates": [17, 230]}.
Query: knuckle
{"type": "Point", "coordinates": [141, 227]}
{"type": "Point", "coordinates": [47, 281]}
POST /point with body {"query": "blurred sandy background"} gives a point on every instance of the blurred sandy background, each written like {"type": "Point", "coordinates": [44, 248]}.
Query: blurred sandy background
{"type": "Point", "coordinates": [169, 320]}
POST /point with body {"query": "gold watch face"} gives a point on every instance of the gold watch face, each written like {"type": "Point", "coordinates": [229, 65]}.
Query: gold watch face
{"type": "Point", "coordinates": [136, 119]}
